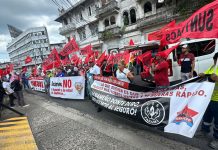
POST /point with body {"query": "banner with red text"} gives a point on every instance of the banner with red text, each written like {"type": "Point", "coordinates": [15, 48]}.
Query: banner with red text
{"type": "Point", "coordinates": [37, 84]}
{"type": "Point", "coordinates": [187, 108]}
{"type": "Point", "coordinates": [150, 106]}
{"type": "Point", "coordinates": [67, 87]}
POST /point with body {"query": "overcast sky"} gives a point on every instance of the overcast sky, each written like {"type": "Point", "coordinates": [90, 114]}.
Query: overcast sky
{"type": "Point", "coordinates": [25, 14]}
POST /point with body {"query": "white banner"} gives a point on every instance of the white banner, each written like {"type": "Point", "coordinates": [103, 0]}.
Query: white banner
{"type": "Point", "coordinates": [37, 85]}
{"type": "Point", "coordinates": [67, 87]}
{"type": "Point", "coordinates": [187, 107]}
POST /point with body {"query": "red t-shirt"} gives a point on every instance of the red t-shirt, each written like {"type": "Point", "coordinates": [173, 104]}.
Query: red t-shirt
{"type": "Point", "coordinates": [161, 74]}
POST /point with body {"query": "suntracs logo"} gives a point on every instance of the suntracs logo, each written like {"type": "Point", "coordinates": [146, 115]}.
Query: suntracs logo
{"type": "Point", "coordinates": [186, 116]}
{"type": "Point", "coordinates": [153, 112]}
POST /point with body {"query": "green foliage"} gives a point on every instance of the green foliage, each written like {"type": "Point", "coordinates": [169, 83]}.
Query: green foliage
{"type": "Point", "coordinates": [185, 8]}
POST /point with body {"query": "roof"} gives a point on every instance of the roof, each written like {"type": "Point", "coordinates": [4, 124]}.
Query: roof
{"type": "Point", "coordinates": [68, 10]}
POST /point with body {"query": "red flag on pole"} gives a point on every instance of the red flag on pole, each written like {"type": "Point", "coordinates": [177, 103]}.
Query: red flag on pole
{"type": "Point", "coordinates": [131, 42]}
{"type": "Point", "coordinates": [86, 50]}
{"type": "Point", "coordinates": [28, 59]}
{"type": "Point", "coordinates": [69, 48]}
{"type": "Point", "coordinates": [157, 35]}
{"type": "Point", "coordinates": [145, 58]}
{"type": "Point", "coordinates": [101, 58]}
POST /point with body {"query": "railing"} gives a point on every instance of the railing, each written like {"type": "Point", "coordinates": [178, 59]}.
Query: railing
{"type": "Point", "coordinates": [107, 8]}
{"type": "Point", "coordinates": [67, 28]}
{"type": "Point", "coordinates": [110, 33]}
{"type": "Point", "coordinates": [159, 17]}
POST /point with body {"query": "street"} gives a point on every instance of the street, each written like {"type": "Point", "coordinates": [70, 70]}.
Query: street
{"type": "Point", "coordinates": [74, 124]}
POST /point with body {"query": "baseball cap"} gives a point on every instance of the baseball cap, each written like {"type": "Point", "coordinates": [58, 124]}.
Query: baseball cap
{"type": "Point", "coordinates": [184, 46]}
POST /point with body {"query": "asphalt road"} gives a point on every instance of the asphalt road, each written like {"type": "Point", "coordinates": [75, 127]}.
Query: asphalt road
{"type": "Point", "coordinates": [74, 124]}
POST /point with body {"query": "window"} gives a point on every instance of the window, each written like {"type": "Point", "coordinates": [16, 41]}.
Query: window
{"type": "Point", "coordinates": [81, 16]}
{"type": "Point", "coordinates": [82, 34]}
{"type": "Point", "coordinates": [106, 22]}
{"type": "Point", "coordinates": [147, 7]}
{"type": "Point", "coordinates": [90, 11]}
{"type": "Point", "coordinates": [159, 5]}
{"type": "Point", "coordinates": [112, 20]}
{"type": "Point", "coordinates": [43, 32]}
{"type": "Point", "coordinates": [133, 16]}
{"type": "Point", "coordinates": [94, 29]}
{"type": "Point", "coordinates": [197, 48]}
{"type": "Point", "coordinates": [65, 22]}
{"type": "Point", "coordinates": [126, 18]}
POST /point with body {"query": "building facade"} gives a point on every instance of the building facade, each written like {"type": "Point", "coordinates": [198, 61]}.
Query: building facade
{"type": "Point", "coordinates": [110, 24]}
{"type": "Point", "coordinates": [33, 42]}
{"type": "Point", "coordinates": [4, 64]}
{"type": "Point", "coordinates": [57, 46]}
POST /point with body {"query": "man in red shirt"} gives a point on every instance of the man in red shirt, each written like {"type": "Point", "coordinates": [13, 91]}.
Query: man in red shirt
{"type": "Point", "coordinates": [187, 62]}
{"type": "Point", "coordinates": [160, 70]}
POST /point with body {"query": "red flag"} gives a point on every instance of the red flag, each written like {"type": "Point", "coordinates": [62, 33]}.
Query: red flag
{"type": "Point", "coordinates": [101, 58]}
{"type": "Point", "coordinates": [66, 61]}
{"type": "Point", "coordinates": [24, 69]}
{"type": "Point", "coordinates": [74, 59]}
{"type": "Point", "coordinates": [28, 59]}
{"type": "Point", "coordinates": [86, 50]}
{"type": "Point", "coordinates": [69, 48]}
{"type": "Point", "coordinates": [157, 35]}
{"type": "Point", "coordinates": [168, 51]}
{"type": "Point", "coordinates": [202, 24]}
{"type": "Point", "coordinates": [1, 72]}
{"type": "Point", "coordinates": [145, 58]}
{"type": "Point", "coordinates": [53, 60]}
{"type": "Point", "coordinates": [131, 42]}
{"type": "Point", "coordinates": [34, 70]}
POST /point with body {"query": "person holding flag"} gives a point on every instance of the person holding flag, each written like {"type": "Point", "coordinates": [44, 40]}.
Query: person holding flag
{"type": "Point", "coordinates": [160, 70]}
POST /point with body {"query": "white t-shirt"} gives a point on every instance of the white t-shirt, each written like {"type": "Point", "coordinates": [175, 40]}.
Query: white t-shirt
{"type": "Point", "coordinates": [6, 85]}
{"type": "Point", "coordinates": [123, 75]}
{"type": "Point", "coordinates": [95, 70]}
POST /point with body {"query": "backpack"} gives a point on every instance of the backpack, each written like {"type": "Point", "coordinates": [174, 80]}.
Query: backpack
{"type": "Point", "coordinates": [16, 86]}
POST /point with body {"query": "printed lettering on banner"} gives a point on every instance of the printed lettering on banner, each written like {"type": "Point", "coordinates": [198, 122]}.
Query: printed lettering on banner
{"type": "Point", "coordinates": [37, 85]}
{"type": "Point", "coordinates": [67, 87]}
{"type": "Point", "coordinates": [187, 107]}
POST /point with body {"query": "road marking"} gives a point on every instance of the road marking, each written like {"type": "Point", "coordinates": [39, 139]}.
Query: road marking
{"type": "Point", "coordinates": [15, 134]}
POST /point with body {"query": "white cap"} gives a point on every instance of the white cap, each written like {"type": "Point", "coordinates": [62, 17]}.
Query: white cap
{"type": "Point", "coordinates": [184, 46]}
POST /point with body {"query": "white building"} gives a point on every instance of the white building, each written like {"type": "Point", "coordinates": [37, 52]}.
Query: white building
{"type": "Point", "coordinates": [33, 42]}
{"type": "Point", "coordinates": [57, 46]}
{"type": "Point", "coordinates": [110, 24]}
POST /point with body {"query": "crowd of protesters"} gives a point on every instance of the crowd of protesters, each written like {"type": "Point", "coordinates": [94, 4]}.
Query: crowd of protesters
{"type": "Point", "coordinates": [158, 69]}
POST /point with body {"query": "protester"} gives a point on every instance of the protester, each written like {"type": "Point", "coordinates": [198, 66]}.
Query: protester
{"type": "Point", "coordinates": [17, 87]}
{"type": "Point", "coordinates": [60, 72]}
{"type": "Point", "coordinates": [106, 70]}
{"type": "Point", "coordinates": [74, 70]}
{"type": "Point", "coordinates": [123, 73]}
{"type": "Point", "coordinates": [7, 87]}
{"type": "Point", "coordinates": [2, 92]}
{"type": "Point", "coordinates": [25, 81]}
{"type": "Point", "coordinates": [187, 62]}
{"type": "Point", "coordinates": [212, 109]}
{"type": "Point", "coordinates": [47, 81]}
{"type": "Point", "coordinates": [160, 70]}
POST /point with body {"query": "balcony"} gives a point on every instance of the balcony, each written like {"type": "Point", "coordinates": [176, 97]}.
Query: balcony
{"type": "Point", "coordinates": [162, 16]}
{"type": "Point", "coordinates": [108, 9]}
{"type": "Point", "coordinates": [67, 28]}
{"type": "Point", "coordinates": [110, 32]}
